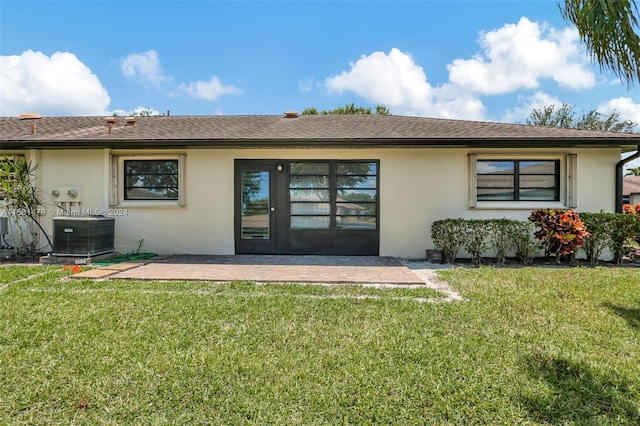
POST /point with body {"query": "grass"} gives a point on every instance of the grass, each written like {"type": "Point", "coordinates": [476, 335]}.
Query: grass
{"type": "Point", "coordinates": [526, 346]}
{"type": "Point", "coordinates": [9, 274]}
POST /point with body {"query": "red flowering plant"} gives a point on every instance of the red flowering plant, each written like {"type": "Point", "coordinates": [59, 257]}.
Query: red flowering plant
{"type": "Point", "coordinates": [631, 209]}
{"type": "Point", "coordinates": [561, 232]}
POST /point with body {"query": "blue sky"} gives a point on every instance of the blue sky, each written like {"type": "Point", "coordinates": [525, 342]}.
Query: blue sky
{"type": "Point", "coordinates": [477, 60]}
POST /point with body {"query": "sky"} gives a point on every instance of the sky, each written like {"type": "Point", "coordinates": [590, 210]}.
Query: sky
{"type": "Point", "coordinates": [475, 60]}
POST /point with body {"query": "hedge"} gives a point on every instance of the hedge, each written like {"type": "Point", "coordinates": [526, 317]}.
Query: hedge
{"type": "Point", "coordinates": [555, 232]}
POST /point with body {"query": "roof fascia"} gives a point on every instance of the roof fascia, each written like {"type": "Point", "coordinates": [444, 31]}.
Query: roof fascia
{"type": "Point", "coordinates": [618, 142]}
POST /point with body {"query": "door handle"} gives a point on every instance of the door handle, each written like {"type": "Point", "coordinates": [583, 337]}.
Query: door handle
{"type": "Point", "coordinates": [273, 209]}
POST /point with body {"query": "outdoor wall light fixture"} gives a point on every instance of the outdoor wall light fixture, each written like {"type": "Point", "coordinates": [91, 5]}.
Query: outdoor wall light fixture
{"type": "Point", "coordinates": [279, 167]}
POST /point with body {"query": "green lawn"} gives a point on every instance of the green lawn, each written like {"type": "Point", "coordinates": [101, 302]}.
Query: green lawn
{"type": "Point", "coordinates": [526, 346]}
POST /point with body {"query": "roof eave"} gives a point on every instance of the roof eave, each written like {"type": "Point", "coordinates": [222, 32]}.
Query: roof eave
{"type": "Point", "coordinates": [618, 142]}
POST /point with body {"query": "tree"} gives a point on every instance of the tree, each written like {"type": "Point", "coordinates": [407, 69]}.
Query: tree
{"type": "Point", "coordinates": [382, 110]}
{"type": "Point", "coordinates": [610, 30]}
{"type": "Point", "coordinates": [633, 171]}
{"type": "Point", "coordinates": [347, 109]}
{"type": "Point", "coordinates": [145, 113]}
{"type": "Point", "coordinates": [549, 116]}
{"type": "Point", "coordinates": [565, 117]}
{"type": "Point", "coordinates": [21, 201]}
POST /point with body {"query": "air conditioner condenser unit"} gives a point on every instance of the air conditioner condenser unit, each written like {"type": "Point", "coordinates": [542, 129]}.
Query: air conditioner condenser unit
{"type": "Point", "coordinates": [83, 235]}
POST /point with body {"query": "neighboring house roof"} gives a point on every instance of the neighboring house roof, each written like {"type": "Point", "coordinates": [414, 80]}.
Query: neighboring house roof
{"type": "Point", "coordinates": [630, 185]}
{"type": "Point", "coordinates": [281, 131]}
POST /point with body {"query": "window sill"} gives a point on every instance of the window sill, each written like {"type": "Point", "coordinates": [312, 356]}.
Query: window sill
{"type": "Point", "coordinates": [518, 205]}
{"type": "Point", "coordinates": [147, 204]}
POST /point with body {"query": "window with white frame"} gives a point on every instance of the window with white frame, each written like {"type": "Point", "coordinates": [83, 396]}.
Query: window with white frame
{"type": "Point", "coordinates": [518, 180]}
{"type": "Point", "coordinates": [522, 181]}
{"type": "Point", "coordinates": [148, 180]}
{"type": "Point", "coordinates": [151, 180]}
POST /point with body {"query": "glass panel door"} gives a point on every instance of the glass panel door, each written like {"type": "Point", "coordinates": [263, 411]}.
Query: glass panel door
{"type": "Point", "coordinates": [255, 212]}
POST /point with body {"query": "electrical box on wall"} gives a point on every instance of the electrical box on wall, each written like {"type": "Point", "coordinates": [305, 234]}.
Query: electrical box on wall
{"type": "Point", "coordinates": [66, 194]}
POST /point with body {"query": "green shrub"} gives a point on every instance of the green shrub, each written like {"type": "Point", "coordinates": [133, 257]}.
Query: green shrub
{"type": "Point", "coordinates": [599, 227]}
{"type": "Point", "coordinates": [522, 236]}
{"type": "Point", "coordinates": [448, 235]}
{"type": "Point", "coordinates": [617, 231]}
{"type": "Point", "coordinates": [476, 238]}
{"type": "Point", "coordinates": [625, 229]}
{"type": "Point", "coordinates": [512, 236]}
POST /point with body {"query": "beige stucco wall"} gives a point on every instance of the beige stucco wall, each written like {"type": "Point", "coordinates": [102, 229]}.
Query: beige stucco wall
{"type": "Point", "coordinates": [417, 186]}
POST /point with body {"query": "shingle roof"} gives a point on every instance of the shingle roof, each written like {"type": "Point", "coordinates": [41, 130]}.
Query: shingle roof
{"type": "Point", "coordinates": [311, 130]}
{"type": "Point", "coordinates": [630, 185]}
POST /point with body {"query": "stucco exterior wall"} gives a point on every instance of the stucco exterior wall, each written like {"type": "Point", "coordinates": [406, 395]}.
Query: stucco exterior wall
{"type": "Point", "coordinates": [417, 186]}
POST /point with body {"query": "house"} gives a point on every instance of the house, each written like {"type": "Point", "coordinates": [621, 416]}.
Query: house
{"type": "Point", "coordinates": [313, 184]}
{"type": "Point", "coordinates": [631, 189]}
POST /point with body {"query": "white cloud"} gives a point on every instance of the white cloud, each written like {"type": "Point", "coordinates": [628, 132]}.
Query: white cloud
{"type": "Point", "coordinates": [528, 103]}
{"type": "Point", "coordinates": [514, 57]}
{"type": "Point", "coordinates": [209, 90]}
{"type": "Point", "coordinates": [144, 67]}
{"type": "Point", "coordinates": [56, 85]}
{"type": "Point", "coordinates": [518, 56]}
{"type": "Point", "coordinates": [305, 86]}
{"type": "Point", "coordinates": [627, 109]}
{"type": "Point", "coordinates": [396, 81]}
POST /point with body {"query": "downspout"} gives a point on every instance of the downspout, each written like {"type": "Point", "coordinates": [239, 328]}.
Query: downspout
{"type": "Point", "coordinates": [619, 178]}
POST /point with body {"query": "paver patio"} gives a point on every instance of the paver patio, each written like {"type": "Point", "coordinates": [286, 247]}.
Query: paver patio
{"type": "Point", "coordinates": [265, 268]}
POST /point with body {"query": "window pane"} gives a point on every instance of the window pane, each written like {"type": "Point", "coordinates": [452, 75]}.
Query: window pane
{"type": "Point", "coordinates": [495, 167]}
{"type": "Point", "coordinates": [313, 195]}
{"type": "Point", "coordinates": [495, 181]}
{"type": "Point", "coordinates": [537, 181]}
{"type": "Point", "coordinates": [309, 182]}
{"type": "Point", "coordinates": [310, 208]}
{"type": "Point", "coordinates": [486, 194]}
{"type": "Point", "coordinates": [309, 168]}
{"type": "Point", "coordinates": [355, 209]}
{"type": "Point", "coordinates": [255, 227]}
{"type": "Point", "coordinates": [357, 182]}
{"type": "Point", "coordinates": [150, 194]}
{"type": "Point", "coordinates": [151, 167]}
{"type": "Point", "coordinates": [309, 222]}
{"type": "Point", "coordinates": [322, 193]}
{"type": "Point", "coordinates": [356, 195]}
{"type": "Point", "coordinates": [351, 169]}
{"type": "Point", "coordinates": [355, 222]}
{"type": "Point", "coordinates": [538, 167]}
{"type": "Point", "coordinates": [538, 194]}
{"type": "Point", "coordinates": [255, 205]}
{"type": "Point", "coordinates": [151, 179]}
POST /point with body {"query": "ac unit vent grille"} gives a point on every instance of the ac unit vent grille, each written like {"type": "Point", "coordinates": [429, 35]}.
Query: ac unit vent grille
{"type": "Point", "coordinates": [83, 236]}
